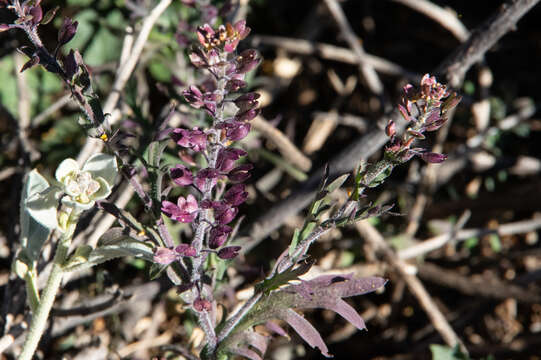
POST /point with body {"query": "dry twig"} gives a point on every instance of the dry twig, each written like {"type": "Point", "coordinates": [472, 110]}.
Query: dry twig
{"type": "Point", "coordinates": [374, 238]}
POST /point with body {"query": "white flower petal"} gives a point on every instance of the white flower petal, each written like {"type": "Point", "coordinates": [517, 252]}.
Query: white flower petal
{"type": "Point", "coordinates": [65, 168]}
{"type": "Point", "coordinates": [102, 165]}
{"type": "Point", "coordinates": [104, 190]}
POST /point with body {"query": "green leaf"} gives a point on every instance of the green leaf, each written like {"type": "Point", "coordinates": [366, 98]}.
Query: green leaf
{"type": "Point", "coordinates": [338, 182]}
{"type": "Point", "coordinates": [39, 202]}
{"type": "Point", "coordinates": [294, 242]}
{"type": "Point", "coordinates": [440, 352]}
{"type": "Point", "coordinates": [49, 15]}
{"type": "Point", "coordinates": [113, 244]}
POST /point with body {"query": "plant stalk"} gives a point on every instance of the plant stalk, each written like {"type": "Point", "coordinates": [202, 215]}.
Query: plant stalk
{"type": "Point", "coordinates": [39, 318]}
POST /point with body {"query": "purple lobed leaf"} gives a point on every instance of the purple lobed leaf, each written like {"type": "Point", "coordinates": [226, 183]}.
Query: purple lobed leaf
{"type": "Point", "coordinates": [305, 330]}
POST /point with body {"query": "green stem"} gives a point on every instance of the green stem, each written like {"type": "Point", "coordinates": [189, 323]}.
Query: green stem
{"type": "Point", "coordinates": [39, 318]}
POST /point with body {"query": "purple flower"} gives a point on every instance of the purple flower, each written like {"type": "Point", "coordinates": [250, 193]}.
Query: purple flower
{"type": "Point", "coordinates": [227, 157]}
{"type": "Point", "coordinates": [247, 115]}
{"type": "Point", "coordinates": [247, 101]}
{"type": "Point", "coordinates": [193, 139]}
{"type": "Point", "coordinates": [201, 305]}
{"type": "Point", "coordinates": [181, 175]}
{"type": "Point", "coordinates": [240, 173]}
{"type": "Point", "coordinates": [193, 96]}
{"type": "Point", "coordinates": [164, 256]}
{"type": "Point", "coordinates": [234, 85]}
{"type": "Point", "coordinates": [236, 195]}
{"type": "Point", "coordinates": [184, 211]}
{"type": "Point", "coordinates": [234, 130]}
{"type": "Point", "coordinates": [205, 34]}
{"type": "Point", "coordinates": [199, 58]}
{"type": "Point", "coordinates": [247, 60]}
{"type": "Point", "coordinates": [225, 214]}
{"type": "Point", "coordinates": [235, 33]}
{"type": "Point", "coordinates": [218, 236]}
{"type": "Point", "coordinates": [229, 252]}
{"type": "Point", "coordinates": [37, 13]}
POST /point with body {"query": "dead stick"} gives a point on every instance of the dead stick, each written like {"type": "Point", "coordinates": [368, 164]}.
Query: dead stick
{"type": "Point", "coordinates": [374, 238]}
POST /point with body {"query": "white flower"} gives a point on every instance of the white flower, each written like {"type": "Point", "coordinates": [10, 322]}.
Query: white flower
{"type": "Point", "coordinates": [84, 186]}
{"type": "Point", "coordinates": [78, 187]}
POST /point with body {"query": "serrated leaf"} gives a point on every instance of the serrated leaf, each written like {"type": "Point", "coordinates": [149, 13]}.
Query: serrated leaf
{"type": "Point", "coordinates": [325, 292]}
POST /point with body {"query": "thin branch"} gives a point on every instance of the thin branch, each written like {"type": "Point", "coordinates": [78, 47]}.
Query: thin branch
{"type": "Point", "coordinates": [483, 38]}
{"type": "Point", "coordinates": [124, 72]}
{"type": "Point", "coordinates": [288, 150]}
{"type": "Point", "coordinates": [336, 53]}
{"type": "Point", "coordinates": [57, 105]}
{"type": "Point", "coordinates": [444, 17]}
{"type": "Point", "coordinates": [368, 73]}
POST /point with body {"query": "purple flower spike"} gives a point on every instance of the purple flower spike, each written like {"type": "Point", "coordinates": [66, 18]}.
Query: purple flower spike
{"type": "Point", "coordinates": [181, 175]}
{"type": "Point", "coordinates": [184, 211]}
{"type": "Point", "coordinates": [229, 252]}
{"type": "Point", "coordinates": [433, 158]}
{"type": "Point", "coordinates": [218, 236]}
{"type": "Point", "coordinates": [236, 195]}
{"type": "Point", "coordinates": [247, 115]}
{"type": "Point", "coordinates": [165, 256]}
{"type": "Point", "coordinates": [193, 139]}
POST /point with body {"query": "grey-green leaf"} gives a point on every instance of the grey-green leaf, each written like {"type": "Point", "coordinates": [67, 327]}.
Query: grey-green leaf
{"type": "Point", "coordinates": [36, 222]}
{"type": "Point", "coordinates": [113, 244]}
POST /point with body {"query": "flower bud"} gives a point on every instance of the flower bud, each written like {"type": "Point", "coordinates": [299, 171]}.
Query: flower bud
{"type": "Point", "coordinates": [229, 252]}
{"type": "Point", "coordinates": [67, 31]}
{"type": "Point", "coordinates": [390, 129]}
{"type": "Point", "coordinates": [433, 158]}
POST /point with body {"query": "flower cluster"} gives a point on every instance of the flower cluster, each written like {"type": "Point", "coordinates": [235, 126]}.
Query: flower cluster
{"type": "Point", "coordinates": [432, 102]}
{"type": "Point", "coordinates": [218, 205]}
